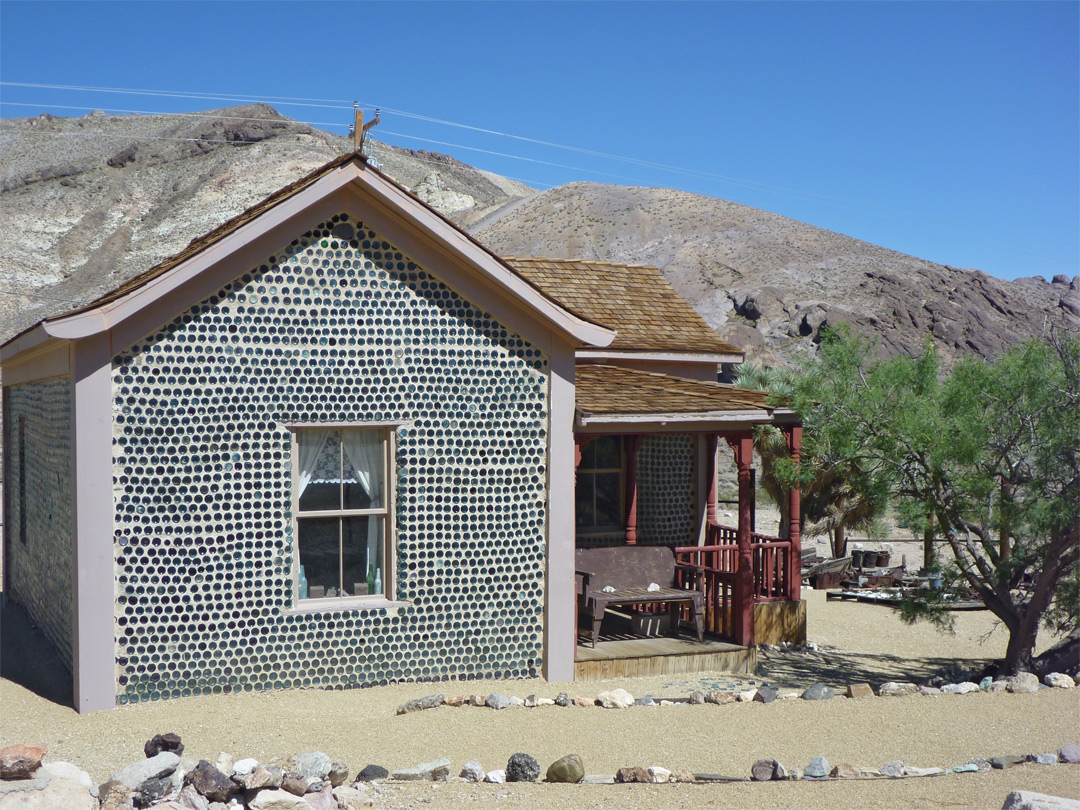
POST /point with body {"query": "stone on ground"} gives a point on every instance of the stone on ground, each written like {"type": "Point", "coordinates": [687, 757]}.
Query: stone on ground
{"type": "Point", "coordinates": [895, 689]}
{"type": "Point", "coordinates": [58, 792]}
{"type": "Point", "coordinates": [21, 761]}
{"type": "Point", "coordinates": [277, 800]}
{"type": "Point", "coordinates": [496, 777]}
{"type": "Point", "coordinates": [209, 781]}
{"type": "Point", "coordinates": [615, 699]}
{"type": "Point", "coordinates": [160, 765]}
{"type": "Point", "coordinates": [859, 690]}
{"type": "Point", "coordinates": [766, 770]}
{"type": "Point", "coordinates": [569, 769]}
{"type": "Point", "coordinates": [438, 770]}
{"type": "Point", "coordinates": [632, 774]}
{"type": "Point", "coordinates": [1023, 683]}
{"type": "Point", "coordinates": [965, 688]}
{"type": "Point", "coordinates": [817, 769]}
{"type": "Point", "coordinates": [658, 775]}
{"type": "Point", "coordinates": [765, 694]}
{"type": "Point", "coordinates": [1069, 754]}
{"type": "Point", "coordinates": [418, 705]}
{"type": "Point", "coordinates": [1059, 680]}
{"type": "Point", "coordinates": [473, 771]}
{"type": "Point", "coordinates": [1004, 763]}
{"type": "Point", "coordinates": [522, 768]}
{"type": "Point", "coordinates": [497, 701]}
{"type": "Point", "coordinates": [372, 772]}
{"type": "Point", "coordinates": [1026, 800]}
{"type": "Point", "coordinates": [819, 691]}
{"type": "Point", "coordinates": [163, 742]}
{"type": "Point", "coordinates": [349, 798]}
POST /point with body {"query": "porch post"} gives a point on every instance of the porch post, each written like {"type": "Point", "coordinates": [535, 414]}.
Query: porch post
{"type": "Point", "coordinates": [743, 609]}
{"type": "Point", "coordinates": [710, 470]}
{"type": "Point", "coordinates": [631, 445]}
{"type": "Point", "coordinates": [794, 438]}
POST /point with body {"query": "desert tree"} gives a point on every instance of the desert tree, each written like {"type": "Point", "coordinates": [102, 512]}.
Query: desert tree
{"type": "Point", "coordinates": [988, 452]}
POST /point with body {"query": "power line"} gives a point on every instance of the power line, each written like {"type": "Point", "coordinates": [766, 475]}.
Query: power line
{"type": "Point", "coordinates": [171, 114]}
{"type": "Point", "coordinates": [341, 104]}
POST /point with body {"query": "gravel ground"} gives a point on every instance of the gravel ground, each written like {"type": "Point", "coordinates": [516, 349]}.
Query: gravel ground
{"type": "Point", "coordinates": [859, 642]}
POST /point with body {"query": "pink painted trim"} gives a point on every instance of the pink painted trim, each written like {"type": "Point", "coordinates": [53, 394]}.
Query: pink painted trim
{"type": "Point", "coordinates": [560, 625]}
{"type": "Point", "coordinates": [678, 358]}
{"type": "Point", "coordinates": [23, 342]}
{"type": "Point", "coordinates": [93, 664]}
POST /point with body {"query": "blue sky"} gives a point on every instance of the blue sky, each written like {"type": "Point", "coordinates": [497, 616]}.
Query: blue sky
{"type": "Point", "coordinates": [950, 131]}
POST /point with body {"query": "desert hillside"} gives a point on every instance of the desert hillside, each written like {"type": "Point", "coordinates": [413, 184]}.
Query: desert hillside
{"type": "Point", "coordinates": [86, 203]}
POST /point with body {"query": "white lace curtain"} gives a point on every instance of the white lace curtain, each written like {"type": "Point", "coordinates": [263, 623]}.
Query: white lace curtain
{"type": "Point", "coordinates": [310, 444]}
{"type": "Point", "coordinates": [364, 453]}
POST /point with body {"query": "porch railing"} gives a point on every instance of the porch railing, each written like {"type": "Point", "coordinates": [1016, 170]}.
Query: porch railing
{"type": "Point", "coordinates": [718, 562]}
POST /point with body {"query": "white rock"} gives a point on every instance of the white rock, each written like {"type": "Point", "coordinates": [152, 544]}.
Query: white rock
{"type": "Point", "coordinates": [516, 701]}
{"type": "Point", "coordinates": [138, 772]}
{"type": "Point", "coordinates": [747, 696]}
{"type": "Point", "coordinates": [66, 770]}
{"type": "Point", "coordinates": [495, 777]}
{"type": "Point", "coordinates": [912, 771]}
{"type": "Point", "coordinates": [1023, 683]}
{"type": "Point", "coordinates": [224, 763]}
{"type": "Point", "coordinates": [473, 771]}
{"type": "Point", "coordinates": [965, 688]}
{"type": "Point", "coordinates": [545, 702]}
{"type": "Point", "coordinates": [60, 792]}
{"type": "Point", "coordinates": [274, 799]}
{"type": "Point", "coordinates": [788, 694]}
{"type": "Point", "coordinates": [1026, 800]}
{"type": "Point", "coordinates": [244, 766]}
{"type": "Point", "coordinates": [658, 775]}
{"type": "Point", "coordinates": [1059, 679]}
{"type": "Point", "coordinates": [902, 689]}
{"type": "Point", "coordinates": [615, 699]}
{"type": "Point", "coordinates": [350, 798]}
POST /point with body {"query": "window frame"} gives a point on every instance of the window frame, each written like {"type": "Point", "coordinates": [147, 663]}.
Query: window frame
{"type": "Point", "coordinates": [607, 528]}
{"type": "Point", "coordinates": [388, 510]}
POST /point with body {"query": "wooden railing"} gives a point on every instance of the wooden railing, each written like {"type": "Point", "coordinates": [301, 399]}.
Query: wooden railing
{"type": "Point", "coordinates": [716, 578]}
{"type": "Point", "coordinates": [718, 562]}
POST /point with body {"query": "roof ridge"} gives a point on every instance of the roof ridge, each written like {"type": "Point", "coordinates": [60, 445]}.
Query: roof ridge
{"type": "Point", "coordinates": [578, 261]}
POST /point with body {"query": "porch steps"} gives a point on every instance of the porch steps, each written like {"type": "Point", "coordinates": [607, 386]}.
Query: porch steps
{"type": "Point", "coordinates": [626, 656]}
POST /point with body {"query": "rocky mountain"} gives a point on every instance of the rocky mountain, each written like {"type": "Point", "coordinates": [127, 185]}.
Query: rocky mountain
{"type": "Point", "coordinates": [86, 203]}
{"type": "Point", "coordinates": [769, 283]}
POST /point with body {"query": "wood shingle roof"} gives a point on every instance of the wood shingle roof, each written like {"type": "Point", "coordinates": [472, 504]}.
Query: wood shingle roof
{"type": "Point", "coordinates": [606, 390]}
{"type": "Point", "coordinates": [633, 299]}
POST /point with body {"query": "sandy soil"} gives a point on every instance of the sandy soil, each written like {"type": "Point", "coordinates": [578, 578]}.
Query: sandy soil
{"type": "Point", "coordinates": [859, 642]}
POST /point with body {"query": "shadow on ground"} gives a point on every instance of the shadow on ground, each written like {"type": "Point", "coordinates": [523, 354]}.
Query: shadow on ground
{"type": "Point", "coordinates": [837, 668]}
{"type": "Point", "coordinates": [29, 659]}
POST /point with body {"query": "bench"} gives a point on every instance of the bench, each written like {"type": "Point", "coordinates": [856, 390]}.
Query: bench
{"type": "Point", "coordinates": [629, 570]}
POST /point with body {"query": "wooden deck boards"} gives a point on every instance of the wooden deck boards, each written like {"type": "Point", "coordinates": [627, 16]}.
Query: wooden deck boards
{"type": "Point", "coordinates": [625, 656]}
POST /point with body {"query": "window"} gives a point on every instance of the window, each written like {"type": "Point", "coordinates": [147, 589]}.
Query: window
{"type": "Point", "coordinates": [599, 486]}
{"type": "Point", "coordinates": [342, 513]}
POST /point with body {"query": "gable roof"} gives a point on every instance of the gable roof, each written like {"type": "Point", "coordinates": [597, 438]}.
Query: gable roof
{"type": "Point", "coordinates": [342, 173]}
{"type": "Point", "coordinates": [633, 299]}
{"type": "Point", "coordinates": [610, 391]}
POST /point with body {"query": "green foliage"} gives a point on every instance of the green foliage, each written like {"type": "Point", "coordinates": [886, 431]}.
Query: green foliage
{"type": "Point", "coordinates": [988, 452]}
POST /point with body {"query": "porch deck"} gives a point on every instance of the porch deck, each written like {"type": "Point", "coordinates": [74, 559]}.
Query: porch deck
{"type": "Point", "coordinates": [620, 654]}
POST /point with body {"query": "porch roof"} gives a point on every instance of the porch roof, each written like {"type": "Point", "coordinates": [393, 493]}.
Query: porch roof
{"type": "Point", "coordinates": [633, 299]}
{"type": "Point", "coordinates": [610, 393]}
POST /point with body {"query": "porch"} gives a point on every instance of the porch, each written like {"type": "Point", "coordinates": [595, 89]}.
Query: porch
{"type": "Point", "coordinates": [621, 653]}
{"type": "Point", "coordinates": [751, 581]}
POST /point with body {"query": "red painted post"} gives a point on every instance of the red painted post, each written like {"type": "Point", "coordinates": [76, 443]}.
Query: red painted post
{"type": "Point", "coordinates": [710, 470]}
{"type": "Point", "coordinates": [743, 609]}
{"type": "Point", "coordinates": [794, 437]}
{"type": "Point", "coordinates": [630, 446]}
